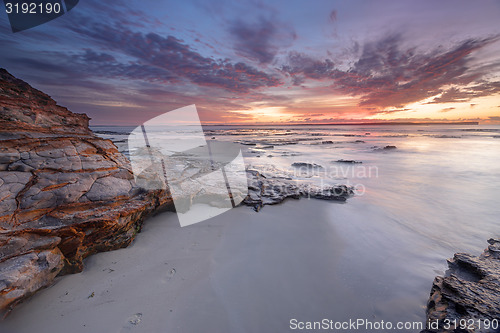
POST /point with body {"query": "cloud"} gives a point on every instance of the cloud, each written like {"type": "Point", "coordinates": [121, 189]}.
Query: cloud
{"type": "Point", "coordinates": [333, 16]}
{"type": "Point", "coordinates": [375, 111]}
{"type": "Point", "coordinates": [452, 95]}
{"type": "Point", "coordinates": [386, 74]}
{"type": "Point", "coordinates": [260, 41]}
{"type": "Point", "coordinates": [91, 56]}
{"type": "Point", "coordinates": [447, 110]}
{"type": "Point", "coordinates": [301, 67]}
{"type": "Point", "coordinates": [464, 94]}
{"type": "Point", "coordinates": [165, 59]}
{"type": "Point", "coordinates": [111, 53]}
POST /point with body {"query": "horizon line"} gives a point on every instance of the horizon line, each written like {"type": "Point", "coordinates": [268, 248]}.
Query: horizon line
{"type": "Point", "coordinates": [333, 124]}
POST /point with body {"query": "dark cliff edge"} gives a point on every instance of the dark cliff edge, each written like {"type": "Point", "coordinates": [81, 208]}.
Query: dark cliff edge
{"type": "Point", "coordinates": [467, 299]}
{"type": "Point", "coordinates": [64, 192]}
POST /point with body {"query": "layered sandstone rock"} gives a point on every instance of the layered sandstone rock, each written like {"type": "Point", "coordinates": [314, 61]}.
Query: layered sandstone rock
{"type": "Point", "coordinates": [467, 299]}
{"type": "Point", "coordinates": [64, 193]}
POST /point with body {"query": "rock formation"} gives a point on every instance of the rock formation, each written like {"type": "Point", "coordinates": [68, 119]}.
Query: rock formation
{"type": "Point", "coordinates": [64, 192]}
{"type": "Point", "coordinates": [272, 190]}
{"type": "Point", "coordinates": [469, 295]}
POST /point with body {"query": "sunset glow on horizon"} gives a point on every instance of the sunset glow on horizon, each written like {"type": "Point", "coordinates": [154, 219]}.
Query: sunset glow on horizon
{"type": "Point", "coordinates": [267, 62]}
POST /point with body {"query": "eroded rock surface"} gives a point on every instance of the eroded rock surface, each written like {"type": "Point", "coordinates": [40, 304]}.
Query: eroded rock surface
{"type": "Point", "coordinates": [468, 294]}
{"type": "Point", "coordinates": [265, 190]}
{"type": "Point", "coordinates": [64, 192]}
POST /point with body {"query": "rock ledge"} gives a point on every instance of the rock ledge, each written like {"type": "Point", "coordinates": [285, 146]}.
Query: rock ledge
{"type": "Point", "coordinates": [469, 293]}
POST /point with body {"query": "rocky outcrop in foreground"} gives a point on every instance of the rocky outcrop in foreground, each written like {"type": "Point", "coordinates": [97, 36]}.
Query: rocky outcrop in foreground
{"type": "Point", "coordinates": [469, 295]}
{"type": "Point", "coordinates": [64, 192]}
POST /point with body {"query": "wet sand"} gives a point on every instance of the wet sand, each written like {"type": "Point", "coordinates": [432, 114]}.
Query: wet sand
{"type": "Point", "coordinates": [244, 271]}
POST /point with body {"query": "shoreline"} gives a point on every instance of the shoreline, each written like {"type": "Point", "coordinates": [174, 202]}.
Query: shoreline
{"type": "Point", "coordinates": [240, 271]}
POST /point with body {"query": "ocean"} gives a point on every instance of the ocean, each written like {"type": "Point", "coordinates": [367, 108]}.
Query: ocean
{"type": "Point", "coordinates": [441, 182]}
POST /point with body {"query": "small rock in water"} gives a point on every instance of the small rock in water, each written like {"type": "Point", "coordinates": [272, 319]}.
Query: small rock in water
{"type": "Point", "coordinates": [135, 319]}
{"type": "Point", "coordinates": [327, 142]}
{"type": "Point", "coordinates": [171, 272]}
{"type": "Point", "coordinates": [306, 165]}
{"type": "Point", "coordinates": [348, 161]}
{"type": "Point", "coordinates": [389, 147]}
{"type": "Point", "coordinates": [246, 143]}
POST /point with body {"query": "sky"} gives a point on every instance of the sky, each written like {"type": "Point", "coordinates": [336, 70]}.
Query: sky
{"type": "Point", "coordinates": [266, 62]}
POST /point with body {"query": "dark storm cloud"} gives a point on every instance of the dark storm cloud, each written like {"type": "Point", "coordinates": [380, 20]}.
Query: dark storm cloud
{"type": "Point", "coordinates": [261, 41]}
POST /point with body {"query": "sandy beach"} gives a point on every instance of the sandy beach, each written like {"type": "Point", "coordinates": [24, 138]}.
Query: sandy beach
{"type": "Point", "coordinates": [241, 272]}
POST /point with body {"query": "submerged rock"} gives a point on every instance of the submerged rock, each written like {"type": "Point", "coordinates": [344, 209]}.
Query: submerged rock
{"type": "Point", "coordinates": [389, 147]}
{"type": "Point", "coordinates": [469, 293]}
{"type": "Point", "coordinates": [348, 161]}
{"type": "Point", "coordinates": [307, 165]}
{"type": "Point", "coordinates": [64, 192]}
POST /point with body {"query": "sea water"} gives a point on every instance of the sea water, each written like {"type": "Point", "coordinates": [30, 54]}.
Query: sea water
{"type": "Point", "coordinates": [441, 181]}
